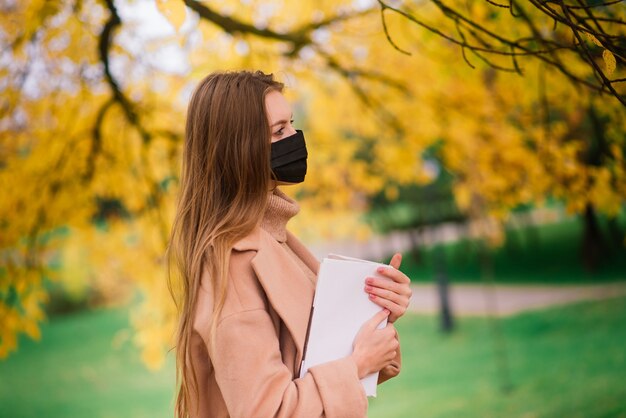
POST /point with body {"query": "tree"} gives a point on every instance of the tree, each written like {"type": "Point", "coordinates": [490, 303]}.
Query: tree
{"type": "Point", "coordinates": [580, 29]}
{"type": "Point", "coordinates": [91, 126]}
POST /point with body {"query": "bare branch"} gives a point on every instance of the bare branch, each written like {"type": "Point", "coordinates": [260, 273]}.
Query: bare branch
{"type": "Point", "coordinates": [493, 3]}
{"type": "Point", "coordinates": [386, 30]}
{"type": "Point", "coordinates": [591, 6]}
{"type": "Point", "coordinates": [483, 42]}
{"type": "Point", "coordinates": [155, 195]}
{"type": "Point", "coordinates": [591, 61]}
{"type": "Point", "coordinates": [96, 140]}
{"type": "Point", "coordinates": [297, 38]}
{"type": "Point", "coordinates": [104, 45]}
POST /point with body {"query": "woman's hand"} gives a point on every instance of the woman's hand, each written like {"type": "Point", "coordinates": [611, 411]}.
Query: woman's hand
{"type": "Point", "coordinates": [374, 348]}
{"type": "Point", "coordinates": [393, 294]}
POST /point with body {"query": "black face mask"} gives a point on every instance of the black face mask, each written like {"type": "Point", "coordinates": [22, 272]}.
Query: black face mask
{"type": "Point", "coordinates": [288, 159]}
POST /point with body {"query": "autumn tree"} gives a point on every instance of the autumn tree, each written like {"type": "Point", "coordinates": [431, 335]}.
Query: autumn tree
{"type": "Point", "coordinates": [567, 53]}
{"type": "Point", "coordinates": [92, 116]}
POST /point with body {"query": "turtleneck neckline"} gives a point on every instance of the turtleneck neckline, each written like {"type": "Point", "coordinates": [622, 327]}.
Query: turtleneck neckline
{"type": "Point", "coordinates": [280, 209]}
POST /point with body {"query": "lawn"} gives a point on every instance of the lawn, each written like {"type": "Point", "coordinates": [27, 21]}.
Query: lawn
{"type": "Point", "coordinates": [85, 366]}
{"type": "Point", "coordinates": [565, 362]}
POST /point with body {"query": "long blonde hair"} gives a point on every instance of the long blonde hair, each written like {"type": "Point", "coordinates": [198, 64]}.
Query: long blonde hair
{"type": "Point", "coordinates": [224, 186]}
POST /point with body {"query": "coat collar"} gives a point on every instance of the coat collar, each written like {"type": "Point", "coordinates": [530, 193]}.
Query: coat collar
{"type": "Point", "coordinates": [250, 241]}
{"type": "Point", "coordinates": [303, 252]}
{"type": "Point", "coordinates": [288, 289]}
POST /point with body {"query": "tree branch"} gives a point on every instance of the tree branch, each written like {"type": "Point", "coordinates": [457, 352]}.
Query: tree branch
{"type": "Point", "coordinates": [297, 38]}
{"type": "Point", "coordinates": [96, 140]}
{"type": "Point", "coordinates": [350, 76]}
{"type": "Point", "coordinates": [104, 46]}
{"type": "Point", "coordinates": [591, 61]}
{"type": "Point", "coordinates": [486, 41]}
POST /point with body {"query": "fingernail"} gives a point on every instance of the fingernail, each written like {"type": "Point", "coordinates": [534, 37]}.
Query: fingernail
{"type": "Point", "coordinates": [372, 296]}
{"type": "Point", "coordinates": [368, 288]}
{"type": "Point", "coordinates": [368, 281]}
{"type": "Point", "coordinates": [381, 269]}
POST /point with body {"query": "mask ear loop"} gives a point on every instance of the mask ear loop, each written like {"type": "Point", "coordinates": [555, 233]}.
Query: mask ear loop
{"type": "Point", "coordinates": [269, 159]}
{"type": "Point", "coordinates": [273, 176]}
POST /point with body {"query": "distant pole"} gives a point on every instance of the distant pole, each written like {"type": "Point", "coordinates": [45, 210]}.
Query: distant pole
{"type": "Point", "coordinates": [445, 314]}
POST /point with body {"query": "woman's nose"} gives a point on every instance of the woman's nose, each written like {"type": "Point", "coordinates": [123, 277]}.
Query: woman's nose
{"type": "Point", "coordinates": [289, 130]}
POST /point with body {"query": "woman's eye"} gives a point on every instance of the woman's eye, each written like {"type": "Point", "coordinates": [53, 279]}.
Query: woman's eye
{"type": "Point", "coordinates": [282, 128]}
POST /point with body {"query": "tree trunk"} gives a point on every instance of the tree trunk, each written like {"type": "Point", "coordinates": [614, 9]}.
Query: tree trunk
{"type": "Point", "coordinates": [415, 252]}
{"type": "Point", "coordinates": [593, 245]}
{"type": "Point", "coordinates": [445, 312]}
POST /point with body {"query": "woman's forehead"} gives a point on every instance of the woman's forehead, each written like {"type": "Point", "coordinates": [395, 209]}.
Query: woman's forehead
{"type": "Point", "coordinates": [278, 108]}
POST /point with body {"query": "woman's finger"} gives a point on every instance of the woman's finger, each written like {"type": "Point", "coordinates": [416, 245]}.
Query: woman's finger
{"type": "Point", "coordinates": [395, 275]}
{"type": "Point", "coordinates": [399, 288]}
{"type": "Point", "coordinates": [395, 309]}
{"type": "Point", "coordinates": [375, 321]}
{"type": "Point", "coordinates": [390, 295]}
{"type": "Point", "coordinates": [396, 260]}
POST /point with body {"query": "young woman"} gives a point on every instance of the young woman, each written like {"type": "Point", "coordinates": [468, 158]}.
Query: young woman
{"type": "Point", "coordinates": [247, 283]}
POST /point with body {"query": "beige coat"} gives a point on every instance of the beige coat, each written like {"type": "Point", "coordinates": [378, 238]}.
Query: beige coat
{"type": "Point", "coordinates": [260, 339]}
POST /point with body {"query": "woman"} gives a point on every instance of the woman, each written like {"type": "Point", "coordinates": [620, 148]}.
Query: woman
{"type": "Point", "coordinates": [247, 283]}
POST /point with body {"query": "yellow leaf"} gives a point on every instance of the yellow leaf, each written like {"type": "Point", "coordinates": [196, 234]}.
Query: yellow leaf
{"type": "Point", "coordinates": [31, 329]}
{"type": "Point", "coordinates": [174, 11]}
{"type": "Point", "coordinates": [592, 39]}
{"type": "Point", "coordinates": [609, 61]}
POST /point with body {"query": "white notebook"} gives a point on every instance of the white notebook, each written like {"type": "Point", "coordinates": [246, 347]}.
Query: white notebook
{"type": "Point", "coordinates": [340, 308]}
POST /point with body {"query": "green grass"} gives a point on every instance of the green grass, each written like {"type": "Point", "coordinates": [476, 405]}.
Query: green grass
{"type": "Point", "coordinates": [546, 254]}
{"type": "Point", "coordinates": [85, 366]}
{"type": "Point", "coordinates": [565, 362]}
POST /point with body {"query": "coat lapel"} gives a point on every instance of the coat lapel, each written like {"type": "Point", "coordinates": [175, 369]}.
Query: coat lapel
{"type": "Point", "coordinates": [301, 251]}
{"type": "Point", "coordinates": [287, 288]}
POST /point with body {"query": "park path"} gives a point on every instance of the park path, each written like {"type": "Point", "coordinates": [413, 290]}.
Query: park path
{"type": "Point", "coordinates": [506, 300]}
{"type": "Point", "coordinates": [473, 299]}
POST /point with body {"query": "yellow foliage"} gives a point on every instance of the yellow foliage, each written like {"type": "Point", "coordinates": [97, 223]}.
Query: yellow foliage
{"type": "Point", "coordinates": [592, 39]}
{"type": "Point", "coordinates": [87, 198]}
{"type": "Point", "coordinates": [609, 61]}
{"type": "Point", "coordinates": [174, 11]}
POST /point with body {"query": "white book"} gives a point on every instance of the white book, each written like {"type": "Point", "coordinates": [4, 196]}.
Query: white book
{"type": "Point", "coordinates": [340, 307]}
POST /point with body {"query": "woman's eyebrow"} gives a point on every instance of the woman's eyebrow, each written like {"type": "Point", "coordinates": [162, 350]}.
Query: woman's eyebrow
{"type": "Point", "coordinates": [282, 121]}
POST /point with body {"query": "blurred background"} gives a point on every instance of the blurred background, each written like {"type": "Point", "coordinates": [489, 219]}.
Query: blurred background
{"type": "Point", "coordinates": [484, 140]}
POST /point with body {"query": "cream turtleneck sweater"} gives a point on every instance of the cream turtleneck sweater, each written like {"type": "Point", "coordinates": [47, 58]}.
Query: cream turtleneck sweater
{"type": "Point", "coordinates": [280, 209]}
